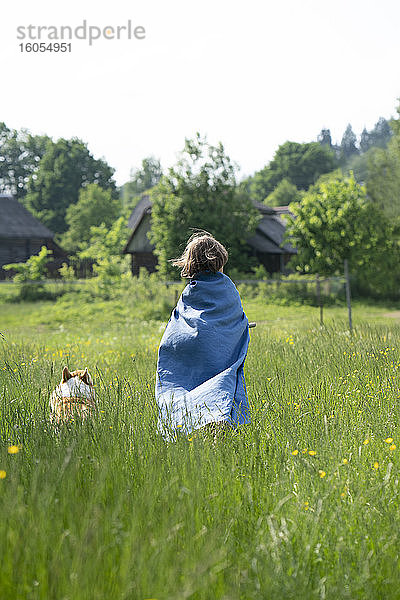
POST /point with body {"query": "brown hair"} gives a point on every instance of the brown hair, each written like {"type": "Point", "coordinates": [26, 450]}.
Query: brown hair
{"type": "Point", "coordinates": [202, 253]}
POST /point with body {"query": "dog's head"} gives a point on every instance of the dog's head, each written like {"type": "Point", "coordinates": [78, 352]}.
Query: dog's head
{"type": "Point", "coordinates": [82, 375]}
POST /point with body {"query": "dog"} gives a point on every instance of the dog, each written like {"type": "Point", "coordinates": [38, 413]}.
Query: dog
{"type": "Point", "coordinates": [75, 396]}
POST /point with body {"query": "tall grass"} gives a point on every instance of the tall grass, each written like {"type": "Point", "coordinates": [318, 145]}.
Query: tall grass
{"type": "Point", "coordinates": [302, 503]}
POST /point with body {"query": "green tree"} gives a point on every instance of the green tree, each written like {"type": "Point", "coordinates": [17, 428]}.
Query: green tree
{"type": "Point", "coordinates": [300, 164]}
{"type": "Point", "coordinates": [142, 179]}
{"type": "Point", "coordinates": [335, 221]}
{"type": "Point", "coordinates": [20, 154]}
{"type": "Point", "coordinates": [381, 134]}
{"type": "Point", "coordinates": [383, 178]}
{"type": "Point", "coordinates": [66, 167]}
{"type": "Point", "coordinates": [105, 247]}
{"type": "Point", "coordinates": [106, 241]}
{"type": "Point", "coordinates": [284, 193]}
{"type": "Point", "coordinates": [94, 207]}
{"type": "Point", "coordinates": [348, 145]}
{"type": "Point", "coordinates": [325, 138]}
{"type": "Point", "coordinates": [378, 137]}
{"type": "Point", "coordinates": [358, 165]}
{"type": "Point", "coordinates": [365, 140]}
{"type": "Point", "coordinates": [200, 192]}
{"type": "Point", "coordinates": [383, 173]}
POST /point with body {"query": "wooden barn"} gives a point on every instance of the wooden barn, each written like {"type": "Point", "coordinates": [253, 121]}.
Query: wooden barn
{"type": "Point", "coordinates": [22, 235]}
{"type": "Point", "coordinates": [266, 244]}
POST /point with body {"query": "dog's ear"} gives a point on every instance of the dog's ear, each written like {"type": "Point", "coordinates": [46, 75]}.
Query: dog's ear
{"type": "Point", "coordinates": [85, 377]}
{"type": "Point", "coordinates": [65, 375]}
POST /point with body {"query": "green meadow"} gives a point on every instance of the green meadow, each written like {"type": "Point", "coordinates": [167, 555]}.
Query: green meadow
{"type": "Point", "coordinates": [301, 504]}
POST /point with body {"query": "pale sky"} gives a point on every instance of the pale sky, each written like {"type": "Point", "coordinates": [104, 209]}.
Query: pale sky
{"type": "Point", "coordinates": [250, 74]}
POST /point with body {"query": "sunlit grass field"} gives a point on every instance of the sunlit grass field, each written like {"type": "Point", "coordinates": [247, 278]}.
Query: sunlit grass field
{"type": "Point", "coordinates": [302, 503]}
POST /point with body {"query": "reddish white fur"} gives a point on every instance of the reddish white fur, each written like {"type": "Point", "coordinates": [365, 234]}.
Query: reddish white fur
{"type": "Point", "coordinates": [74, 396]}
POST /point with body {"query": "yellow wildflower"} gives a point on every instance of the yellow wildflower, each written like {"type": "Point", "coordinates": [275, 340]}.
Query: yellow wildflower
{"type": "Point", "coordinates": [13, 449]}
{"type": "Point", "coordinates": [305, 451]}
{"type": "Point", "coordinates": [295, 452]}
{"type": "Point", "coordinates": [392, 447]}
{"type": "Point", "coordinates": [2, 474]}
{"type": "Point", "coordinates": [312, 452]}
{"type": "Point", "coordinates": [376, 465]}
{"type": "Point", "coordinates": [389, 440]}
{"type": "Point", "coordinates": [345, 461]}
{"type": "Point", "coordinates": [365, 442]}
{"type": "Point", "coordinates": [321, 473]}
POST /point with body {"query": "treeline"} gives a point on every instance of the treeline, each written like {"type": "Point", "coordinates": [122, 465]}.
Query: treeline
{"type": "Point", "coordinates": [65, 187]}
{"type": "Point", "coordinates": [296, 166]}
{"type": "Point", "coordinates": [76, 196]}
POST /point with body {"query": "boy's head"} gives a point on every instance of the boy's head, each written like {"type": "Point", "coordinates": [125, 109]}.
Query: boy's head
{"type": "Point", "coordinates": [202, 253]}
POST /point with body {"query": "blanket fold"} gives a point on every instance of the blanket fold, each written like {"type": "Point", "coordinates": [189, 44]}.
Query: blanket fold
{"type": "Point", "coordinates": [200, 375]}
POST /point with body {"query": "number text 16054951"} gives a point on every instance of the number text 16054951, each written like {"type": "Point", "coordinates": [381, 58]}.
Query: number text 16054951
{"type": "Point", "coordinates": [45, 47]}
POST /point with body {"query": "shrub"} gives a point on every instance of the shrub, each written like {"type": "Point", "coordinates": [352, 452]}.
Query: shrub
{"type": "Point", "coordinates": [29, 276]}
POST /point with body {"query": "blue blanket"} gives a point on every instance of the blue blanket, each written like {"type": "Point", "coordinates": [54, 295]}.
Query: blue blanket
{"type": "Point", "coordinates": [200, 376]}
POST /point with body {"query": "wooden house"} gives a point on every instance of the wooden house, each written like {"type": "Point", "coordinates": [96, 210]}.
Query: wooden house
{"type": "Point", "coordinates": [267, 243]}
{"type": "Point", "coordinates": [22, 235]}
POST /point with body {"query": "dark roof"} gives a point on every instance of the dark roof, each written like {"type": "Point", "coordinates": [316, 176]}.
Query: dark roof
{"type": "Point", "coordinates": [268, 237]}
{"type": "Point", "coordinates": [17, 222]}
{"type": "Point", "coordinates": [264, 245]}
{"type": "Point", "coordinates": [141, 209]}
